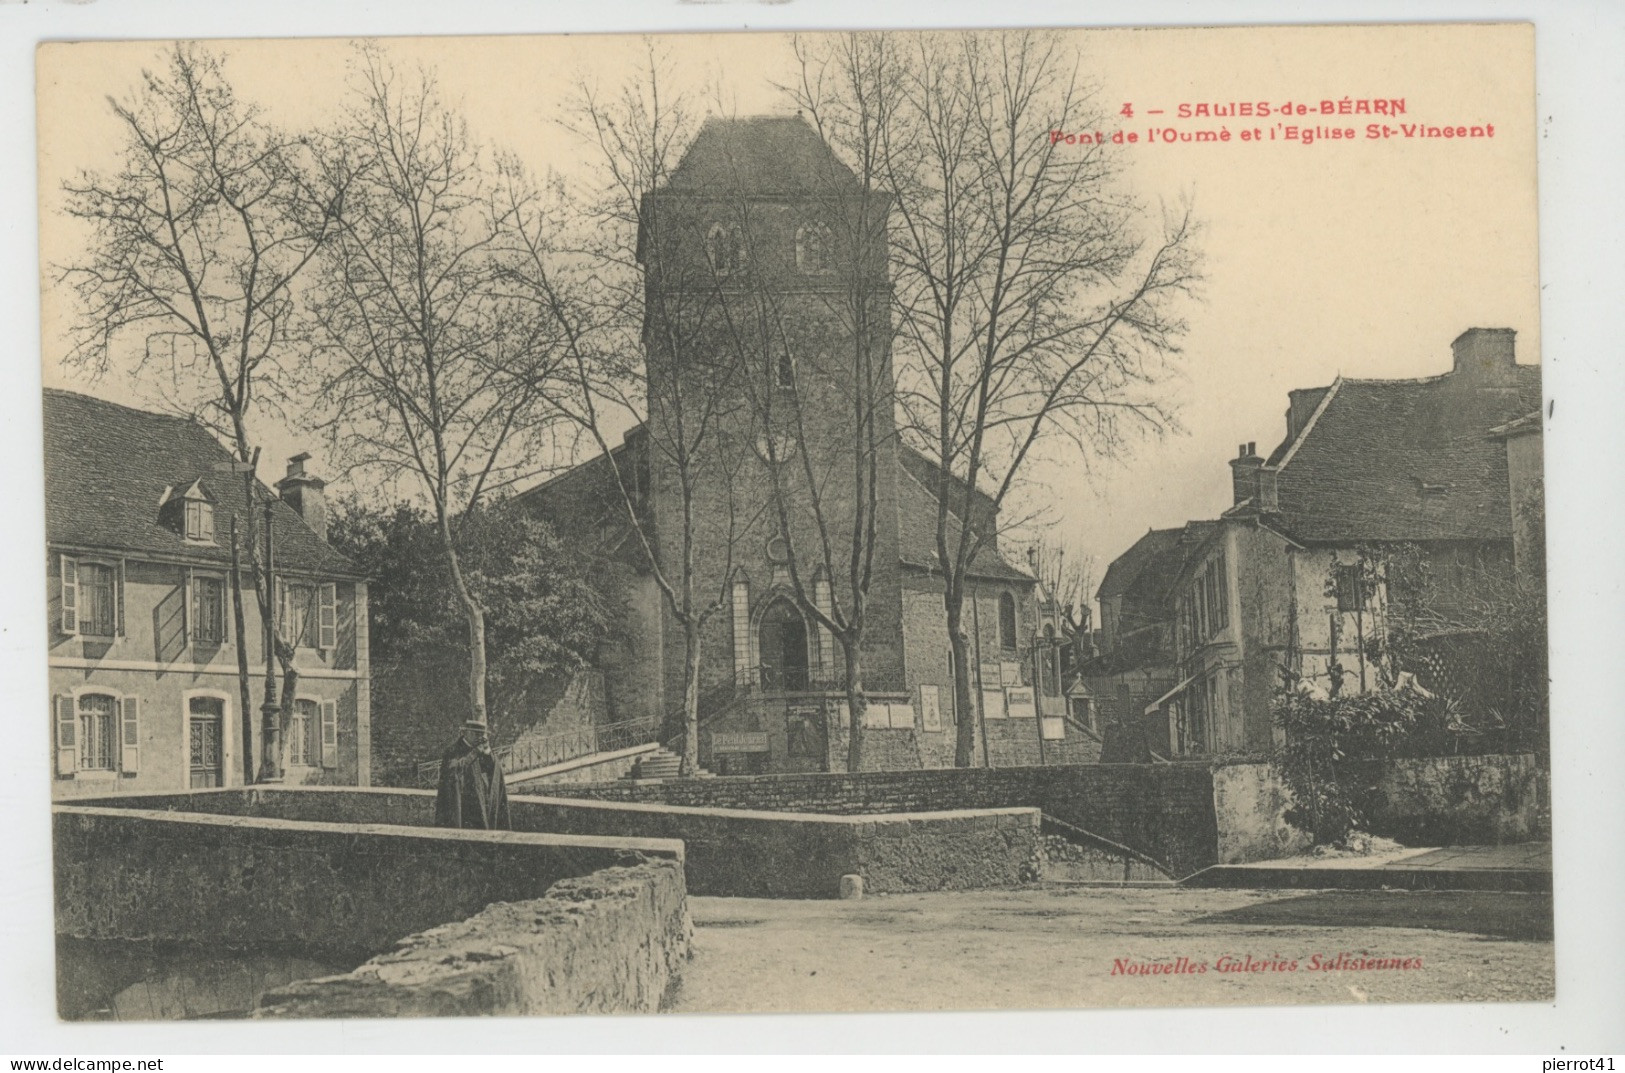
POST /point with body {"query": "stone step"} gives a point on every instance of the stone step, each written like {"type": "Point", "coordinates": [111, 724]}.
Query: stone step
{"type": "Point", "coordinates": [662, 763]}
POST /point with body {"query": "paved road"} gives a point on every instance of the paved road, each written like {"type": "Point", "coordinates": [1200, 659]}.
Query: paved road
{"type": "Point", "coordinates": [1058, 947]}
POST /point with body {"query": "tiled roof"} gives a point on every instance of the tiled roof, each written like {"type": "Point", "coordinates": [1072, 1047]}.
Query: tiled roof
{"type": "Point", "coordinates": [106, 468]}
{"type": "Point", "coordinates": [1146, 573]}
{"type": "Point", "coordinates": [589, 489]}
{"type": "Point", "coordinates": [1388, 460]}
{"type": "Point", "coordinates": [1125, 570]}
{"type": "Point", "coordinates": [917, 522]}
{"type": "Point", "coordinates": [762, 154]}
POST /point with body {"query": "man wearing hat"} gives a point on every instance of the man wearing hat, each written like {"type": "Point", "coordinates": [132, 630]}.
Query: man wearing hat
{"type": "Point", "coordinates": [472, 793]}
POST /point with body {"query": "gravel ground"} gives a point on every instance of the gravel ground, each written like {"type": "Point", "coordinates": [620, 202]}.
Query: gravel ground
{"type": "Point", "coordinates": [1059, 946]}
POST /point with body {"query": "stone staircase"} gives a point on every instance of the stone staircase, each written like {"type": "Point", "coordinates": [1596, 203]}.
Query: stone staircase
{"type": "Point", "coordinates": [662, 764]}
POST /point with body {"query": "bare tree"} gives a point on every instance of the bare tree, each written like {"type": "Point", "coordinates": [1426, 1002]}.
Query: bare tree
{"type": "Point", "coordinates": [1033, 317]}
{"type": "Point", "coordinates": [637, 312]}
{"type": "Point", "coordinates": [1067, 576]}
{"type": "Point", "coordinates": [431, 371]}
{"type": "Point", "coordinates": [199, 237]}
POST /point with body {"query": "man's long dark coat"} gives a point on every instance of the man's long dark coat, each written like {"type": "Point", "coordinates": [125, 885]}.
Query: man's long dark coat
{"type": "Point", "coordinates": [472, 793]}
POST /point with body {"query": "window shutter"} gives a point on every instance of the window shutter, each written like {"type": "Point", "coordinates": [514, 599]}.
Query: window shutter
{"type": "Point", "coordinates": [206, 513]}
{"type": "Point", "coordinates": [327, 622]}
{"type": "Point", "coordinates": [67, 736]}
{"type": "Point", "coordinates": [70, 595]}
{"type": "Point", "coordinates": [118, 599]}
{"type": "Point", "coordinates": [280, 603]}
{"type": "Point", "coordinates": [188, 604]}
{"type": "Point", "coordinates": [330, 733]}
{"type": "Point", "coordinates": [130, 739]}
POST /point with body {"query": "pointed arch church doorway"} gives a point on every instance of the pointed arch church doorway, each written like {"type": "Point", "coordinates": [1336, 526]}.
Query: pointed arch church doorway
{"type": "Point", "coordinates": [781, 637]}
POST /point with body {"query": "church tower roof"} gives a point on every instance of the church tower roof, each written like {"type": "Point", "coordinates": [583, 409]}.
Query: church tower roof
{"type": "Point", "coordinates": [761, 155]}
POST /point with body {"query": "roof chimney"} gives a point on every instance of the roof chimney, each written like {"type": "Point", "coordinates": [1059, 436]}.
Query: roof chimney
{"type": "Point", "coordinates": [1244, 471]}
{"type": "Point", "coordinates": [1480, 352]}
{"type": "Point", "coordinates": [304, 493]}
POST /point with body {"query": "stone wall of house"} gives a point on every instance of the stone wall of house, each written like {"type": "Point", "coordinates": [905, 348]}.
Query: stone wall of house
{"type": "Point", "coordinates": [251, 881]}
{"type": "Point", "coordinates": [614, 941]}
{"type": "Point", "coordinates": [1165, 811]}
{"type": "Point", "coordinates": [154, 663]}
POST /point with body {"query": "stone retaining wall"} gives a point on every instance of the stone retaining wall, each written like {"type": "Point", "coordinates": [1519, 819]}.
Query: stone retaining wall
{"type": "Point", "coordinates": [1165, 811]}
{"type": "Point", "coordinates": [747, 853]}
{"type": "Point", "coordinates": [611, 942]}
{"type": "Point", "coordinates": [1449, 800]}
{"type": "Point", "coordinates": [140, 873]}
{"type": "Point", "coordinates": [737, 852]}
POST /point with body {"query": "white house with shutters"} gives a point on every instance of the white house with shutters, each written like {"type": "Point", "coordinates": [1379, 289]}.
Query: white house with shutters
{"type": "Point", "coordinates": [146, 690]}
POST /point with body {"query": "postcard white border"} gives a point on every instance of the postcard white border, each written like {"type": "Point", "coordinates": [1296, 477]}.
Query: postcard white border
{"type": "Point", "coordinates": [1582, 150]}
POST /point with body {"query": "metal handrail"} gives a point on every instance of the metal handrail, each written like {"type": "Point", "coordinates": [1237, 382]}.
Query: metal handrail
{"type": "Point", "coordinates": [527, 753]}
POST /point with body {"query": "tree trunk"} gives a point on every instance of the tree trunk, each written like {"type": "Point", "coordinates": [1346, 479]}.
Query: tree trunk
{"type": "Point", "coordinates": [965, 714]}
{"type": "Point", "coordinates": [290, 685]}
{"type": "Point", "coordinates": [856, 706]}
{"type": "Point", "coordinates": [476, 629]}
{"type": "Point", "coordinates": [691, 699]}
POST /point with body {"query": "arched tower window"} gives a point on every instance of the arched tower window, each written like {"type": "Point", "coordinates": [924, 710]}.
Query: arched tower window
{"type": "Point", "coordinates": [814, 248]}
{"type": "Point", "coordinates": [1007, 622]}
{"type": "Point", "coordinates": [725, 249]}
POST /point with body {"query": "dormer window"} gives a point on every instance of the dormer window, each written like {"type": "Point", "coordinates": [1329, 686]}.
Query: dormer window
{"type": "Point", "coordinates": [815, 249]}
{"type": "Point", "coordinates": [725, 249]}
{"type": "Point", "coordinates": [189, 510]}
{"type": "Point", "coordinates": [200, 521]}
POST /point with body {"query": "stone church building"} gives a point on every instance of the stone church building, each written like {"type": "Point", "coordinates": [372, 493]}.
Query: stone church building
{"type": "Point", "coordinates": [767, 340]}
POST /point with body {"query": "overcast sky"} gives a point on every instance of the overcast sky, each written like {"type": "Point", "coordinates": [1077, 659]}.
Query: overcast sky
{"type": "Point", "coordinates": [1363, 258]}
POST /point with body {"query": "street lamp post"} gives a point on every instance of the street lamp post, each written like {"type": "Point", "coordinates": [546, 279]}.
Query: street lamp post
{"type": "Point", "coordinates": [271, 727]}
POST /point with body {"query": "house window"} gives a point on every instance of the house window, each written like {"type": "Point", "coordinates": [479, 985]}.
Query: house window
{"type": "Point", "coordinates": [1205, 608]}
{"type": "Point", "coordinates": [309, 615]}
{"type": "Point", "coordinates": [98, 599]}
{"type": "Point", "coordinates": [98, 727]}
{"type": "Point", "coordinates": [784, 369]}
{"type": "Point", "coordinates": [814, 249]}
{"type": "Point", "coordinates": [299, 614]}
{"type": "Point", "coordinates": [208, 610]}
{"type": "Point", "coordinates": [200, 520]}
{"type": "Point", "coordinates": [724, 249]}
{"type": "Point", "coordinates": [302, 724]}
{"type": "Point", "coordinates": [1007, 622]}
{"type": "Point", "coordinates": [1349, 581]}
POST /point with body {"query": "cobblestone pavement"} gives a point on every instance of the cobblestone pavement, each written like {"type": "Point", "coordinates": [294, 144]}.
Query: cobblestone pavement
{"type": "Point", "coordinates": [1095, 947]}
